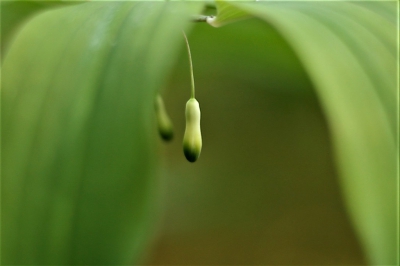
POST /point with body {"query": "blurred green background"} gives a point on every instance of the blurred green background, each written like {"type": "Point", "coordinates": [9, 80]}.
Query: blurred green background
{"type": "Point", "coordinates": [265, 190]}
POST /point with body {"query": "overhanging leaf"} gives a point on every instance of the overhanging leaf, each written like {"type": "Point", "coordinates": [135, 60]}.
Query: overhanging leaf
{"type": "Point", "coordinates": [226, 14]}
{"type": "Point", "coordinates": [77, 110]}
{"type": "Point", "coordinates": [349, 50]}
{"type": "Point", "coordinates": [15, 13]}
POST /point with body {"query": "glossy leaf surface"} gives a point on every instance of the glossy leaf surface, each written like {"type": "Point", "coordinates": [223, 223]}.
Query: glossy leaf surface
{"type": "Point", "coordinates": [78, 130]}
{"type": "Point", "coordinates": [349, 50]}
{"type": "Point", "coordinates": [15, 13]}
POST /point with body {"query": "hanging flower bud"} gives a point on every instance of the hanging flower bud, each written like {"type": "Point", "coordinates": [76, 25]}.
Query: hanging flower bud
{"type": "Point", "coordinates": [165, 127]}
{"type": "Point", "coordinates": [192, 139]}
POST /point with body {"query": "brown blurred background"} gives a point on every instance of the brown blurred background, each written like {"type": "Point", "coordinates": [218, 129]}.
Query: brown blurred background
{"type": "Point", "coordinates": [264, 190]}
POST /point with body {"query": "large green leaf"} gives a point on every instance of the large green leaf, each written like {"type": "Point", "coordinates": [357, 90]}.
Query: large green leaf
{"type": "Point", "coordinates": [15, 13]}
{"type": "Point", "coordinates": [226, 14]}
{"type": "Point", "coordinates": [349, 50]}
{"type": "Point", "coordinates": [78, 86]}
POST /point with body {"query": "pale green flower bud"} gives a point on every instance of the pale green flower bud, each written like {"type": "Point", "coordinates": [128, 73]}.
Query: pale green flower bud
{"type": "Point", "coordinates": [165, 127]}
{"type": "Point", "coordinates": [192, 139]}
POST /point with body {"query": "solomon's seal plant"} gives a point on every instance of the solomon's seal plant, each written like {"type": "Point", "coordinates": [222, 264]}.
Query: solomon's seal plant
{"type": "Point", "coordinates": [78, 88]}
{"type": "Point", "coordinates": [192, 141]}
{"type": "Point", "coordinates": [165, 127]}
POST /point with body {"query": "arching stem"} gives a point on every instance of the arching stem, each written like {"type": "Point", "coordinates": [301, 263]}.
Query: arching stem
{"type": "Point", "coordinates": [191, 65]}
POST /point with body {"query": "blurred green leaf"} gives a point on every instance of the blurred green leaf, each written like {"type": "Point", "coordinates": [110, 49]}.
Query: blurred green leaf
{"type": "Point", "coordinates": [226, 14]}
{"type": "Point", "coordinates": [15, 13]}
{"type": "Point", "coordinates": [78, 87]}
{"type": "Point", "coordinates": [349, 50]}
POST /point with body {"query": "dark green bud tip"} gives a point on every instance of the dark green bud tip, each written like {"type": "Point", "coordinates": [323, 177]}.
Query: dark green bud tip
{"type": "Point", "coordinates": [166, 135]}
{"type": "Point", "coordinates": [164, 124]}
{"type": "Point", "coordinates": [191, 154]}
{"type": "Point", "coordinates": [192, 141]}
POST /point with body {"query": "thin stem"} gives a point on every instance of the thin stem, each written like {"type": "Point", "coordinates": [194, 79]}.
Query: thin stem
{"type": "Point", "coordinates": [190, 62]}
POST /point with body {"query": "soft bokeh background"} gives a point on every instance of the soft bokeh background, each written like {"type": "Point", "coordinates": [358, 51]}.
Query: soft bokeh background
{"type": "Point", "coordinates": [265, 189]}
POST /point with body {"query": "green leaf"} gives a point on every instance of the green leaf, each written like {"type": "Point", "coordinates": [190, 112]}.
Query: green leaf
{"type": "Point", "coordinates": [226, 14]}
{"type": "Point", "coordinates": [15, 13]}
{"type": "Point", "coordinates": [349, 51]}
{"type": "Point", "coordinates": [78, 131]}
